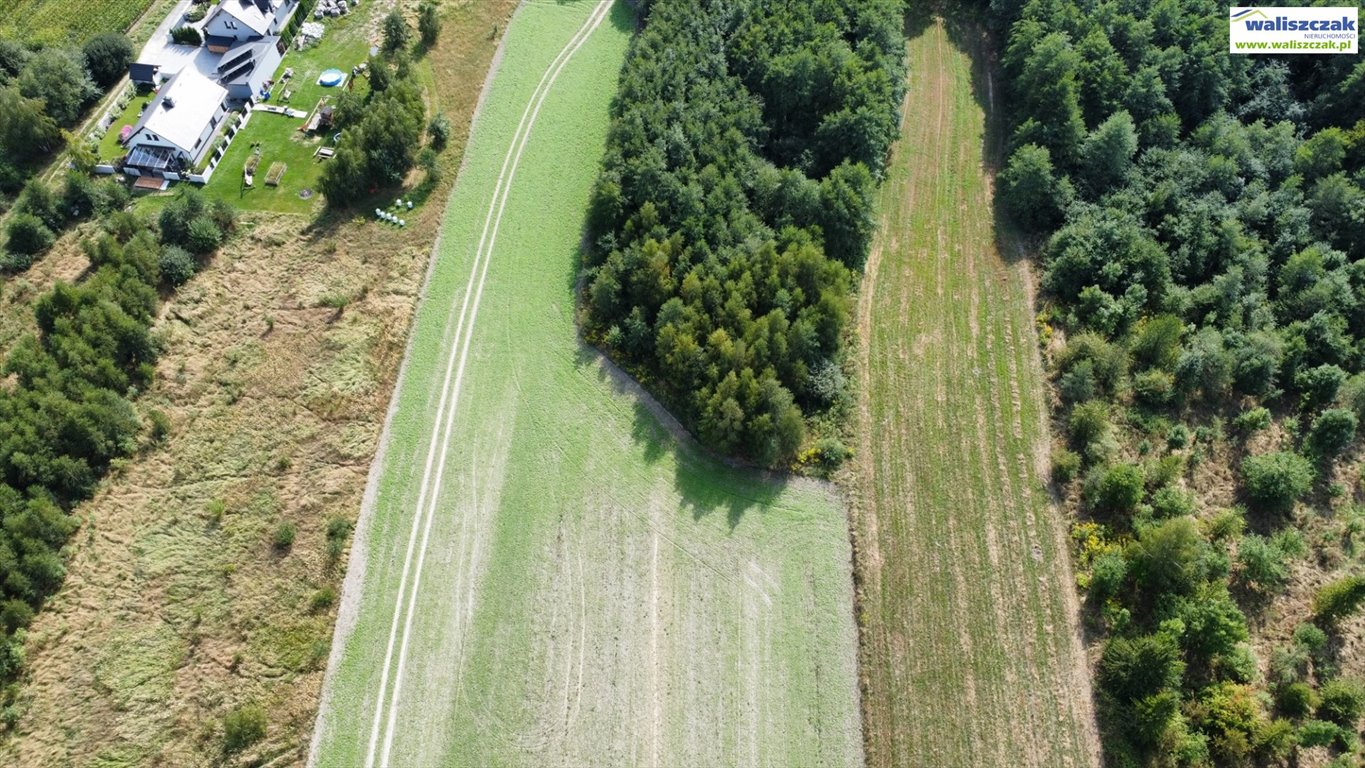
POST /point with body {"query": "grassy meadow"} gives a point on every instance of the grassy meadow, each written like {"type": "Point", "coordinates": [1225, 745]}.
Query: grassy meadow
{"type": "Point", "coordinates": [595, 591]}
{"type": "Point", "coordinates": [969, 648]}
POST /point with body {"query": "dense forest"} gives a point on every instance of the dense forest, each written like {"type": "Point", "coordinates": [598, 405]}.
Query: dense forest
{"type": "Point", "coordinates": [66, 403]}
{"type": "Point", "coordinates": [1200, 222]}
{"type": "Point", "coordinates": [735, 207]}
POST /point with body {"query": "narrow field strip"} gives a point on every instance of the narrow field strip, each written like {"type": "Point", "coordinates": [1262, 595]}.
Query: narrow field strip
{"type": "Point", "coordinates": [970, 651]}
{"type": "Point", "coordinates": [545, 575]}
{"type": "Point", "coordinates": [450, 393]}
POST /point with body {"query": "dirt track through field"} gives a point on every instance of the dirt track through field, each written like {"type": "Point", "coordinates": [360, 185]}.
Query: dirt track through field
{"type": "Point", "coordinates": [971, 656]}
{"type": "Point", "coordinates": [450, 394]}
{"type": "Point", "coordinates": [593, 590]}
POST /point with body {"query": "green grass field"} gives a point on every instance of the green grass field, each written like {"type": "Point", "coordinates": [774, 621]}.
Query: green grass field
{"type": "Point", "coordinates": [344, 45]}
{"type": "Point", "coordinates": [593, 590]}
{"type": "Point", "coordinates": [62, 21]}
{"type": "Point", "coordinates": [109, 148]}
{"type": "Point", "coordinates": [970, 651]}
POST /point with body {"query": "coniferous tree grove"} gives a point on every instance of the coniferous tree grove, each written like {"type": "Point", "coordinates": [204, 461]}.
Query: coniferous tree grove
{"type": "Point", "coordinates": [1200, 223]}
{"type": "Point", "coordinates": [735, 206]}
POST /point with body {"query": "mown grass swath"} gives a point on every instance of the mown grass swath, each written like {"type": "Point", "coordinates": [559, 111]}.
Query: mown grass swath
{"type": "Point", "coordinates": [1199, 221]}
{"type": "Point", "coordinates": [970, 654]}
{"type": "Point", "coordinates": [590, 580]}
{"type": "Point", "coordinates": [735, 205]}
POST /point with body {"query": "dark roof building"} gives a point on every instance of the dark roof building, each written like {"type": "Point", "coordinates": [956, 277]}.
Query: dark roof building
{"type": "Point", "coordinates": [143, 74]}
{"type": "Point", "coordinates": [246, 67]}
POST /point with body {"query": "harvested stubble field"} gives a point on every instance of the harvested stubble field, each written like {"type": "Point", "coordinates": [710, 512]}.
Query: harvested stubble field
{"type": "Point", "coordinates": [178, 607]}
{"type": "Point", "coordinates": [970, 651]}
{"type": "Point", "coordinates": [593, 589]}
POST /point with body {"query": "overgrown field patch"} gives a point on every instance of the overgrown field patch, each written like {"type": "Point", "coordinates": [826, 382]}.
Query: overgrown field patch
{"type": "Point", "coordinates": [63, 21]}
{"type": "Point", "coordinates": [970, 650]}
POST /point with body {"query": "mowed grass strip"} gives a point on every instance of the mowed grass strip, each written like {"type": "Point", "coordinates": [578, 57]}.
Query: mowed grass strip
{"type": "Point", "coordinates": [594, 592]}
{"type": "Point", "coordinates": [970, 651]}
{"type": "Point", "coordinates": [178, 606]}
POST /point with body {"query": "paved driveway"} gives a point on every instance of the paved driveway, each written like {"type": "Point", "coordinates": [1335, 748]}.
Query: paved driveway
{"type": "Point", "coordinates": [173, 58]}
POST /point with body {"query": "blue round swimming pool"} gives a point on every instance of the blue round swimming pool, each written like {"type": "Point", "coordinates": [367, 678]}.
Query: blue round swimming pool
{"type": "Point", "coordinates": [332, 77]}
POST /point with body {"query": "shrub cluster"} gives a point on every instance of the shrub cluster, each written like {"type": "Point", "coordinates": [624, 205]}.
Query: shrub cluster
{"type": "Point", "coordinates": [66, 411]}
{"type": "Point", "coordinates": [41, 213]}
{"type": "Point", "coordinates": [44, 91]}
{"type": "Point", "coordinates": [1199, 217]}
{"type": "Point", "coordinates": [735, 201]}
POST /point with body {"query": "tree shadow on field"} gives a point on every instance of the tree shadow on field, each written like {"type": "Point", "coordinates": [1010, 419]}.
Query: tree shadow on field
{"type": "Point", "coordinates": [624, 17]}
{"type": "Point", "coordinates": [969, 31]}
{"type": "Point", "coordinates": [706, 482]}
{"type": "Point", "coordinates": [919, 16]}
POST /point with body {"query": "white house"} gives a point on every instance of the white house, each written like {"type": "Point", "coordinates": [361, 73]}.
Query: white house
{"type": "Point", "coordinates": [234, 21]}
{"type": "Point", "coordinates": [177, 127]}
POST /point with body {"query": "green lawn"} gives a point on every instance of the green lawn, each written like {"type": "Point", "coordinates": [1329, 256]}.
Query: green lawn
{"type": "Point", "coordinates": [971, 652]}
{"type": "Point", "coordinates": [109, 149]}
{"type": "Point", "coordinates": [343, 46]}
{"type": "Point", "coordinates": [593, 591]}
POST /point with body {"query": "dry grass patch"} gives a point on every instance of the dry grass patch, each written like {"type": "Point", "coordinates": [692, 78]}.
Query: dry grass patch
{"type": "Point", "coordinates": [179, 607]}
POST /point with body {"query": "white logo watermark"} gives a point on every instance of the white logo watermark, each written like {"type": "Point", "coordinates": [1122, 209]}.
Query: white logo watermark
{"type": "Point", "coordinates": [1293, 30]}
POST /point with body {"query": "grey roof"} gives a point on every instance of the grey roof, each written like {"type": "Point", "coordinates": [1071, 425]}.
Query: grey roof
{"type": "Point", "coordinates": [182, 109]}
{"type": "Point", "coordinates": [252, 62]}
{"type": "Point", "coordinates": [256, 16]}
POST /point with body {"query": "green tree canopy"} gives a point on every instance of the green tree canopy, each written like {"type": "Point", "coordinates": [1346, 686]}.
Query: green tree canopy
{"type": "Point", "coordinates": [1107, 156]}
{"type": "Point", "coordinates": [1276, 480]}
{"type": "Point", "coordinates": [428, 23]}
{"type": "Point", "coordinates": [57, 78]}
{"type": "Point", "coordinates": [1168, 558]}
{"type": "Point", "coordinates": [27, 132]}
{"type": "Point", "coordinates": [107, 58]}
{"type": "Point", "coordinates": [1032, 192]}
{"type": "Point", "coordinates": [397, 34]}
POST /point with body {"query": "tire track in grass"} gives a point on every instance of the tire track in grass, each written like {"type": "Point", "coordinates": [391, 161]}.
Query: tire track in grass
{"type": "Point", "coordinates": [450, 393]}
{"type": "Point", "coordinates": [950, 412]}
{"type": "Point", "coordinates": [576, 422]}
